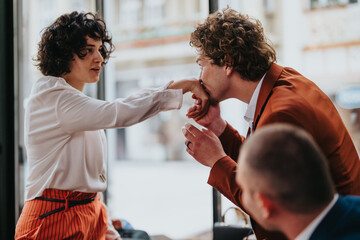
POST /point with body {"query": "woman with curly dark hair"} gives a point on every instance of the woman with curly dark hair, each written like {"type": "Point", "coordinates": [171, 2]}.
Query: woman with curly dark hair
{"type": "Point", "coordinates": [64, 137]}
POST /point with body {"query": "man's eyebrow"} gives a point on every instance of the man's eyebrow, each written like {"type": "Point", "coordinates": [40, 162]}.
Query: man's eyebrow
{"type": "Point", "coordinates": [90, 45]}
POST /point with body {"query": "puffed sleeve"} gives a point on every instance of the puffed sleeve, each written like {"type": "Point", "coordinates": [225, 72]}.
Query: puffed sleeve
{"type": "Point", "coordinates": [78, 112]}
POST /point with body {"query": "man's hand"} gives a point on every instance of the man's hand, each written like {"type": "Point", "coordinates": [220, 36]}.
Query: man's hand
{"type": "Point", "coordinates": [203, 145]}
{"type": "Point", "coordinates": [212, 120]}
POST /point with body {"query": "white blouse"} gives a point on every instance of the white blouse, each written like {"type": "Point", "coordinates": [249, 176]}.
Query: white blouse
{"type": "Point", "coordinates": [64, 137]}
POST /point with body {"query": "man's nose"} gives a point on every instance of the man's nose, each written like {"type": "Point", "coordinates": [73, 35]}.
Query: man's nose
{"type": "Point", "coordinates": [200, 75]}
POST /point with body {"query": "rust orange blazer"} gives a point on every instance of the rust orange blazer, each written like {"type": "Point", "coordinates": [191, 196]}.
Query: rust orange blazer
{"type": "Point", "coordinates": [287, 96]}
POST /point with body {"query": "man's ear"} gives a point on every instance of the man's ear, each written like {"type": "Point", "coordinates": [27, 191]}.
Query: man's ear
{"type": "Point", "coordinates": [265, 204]}
{"type": "Point", "coordinates": [229, 69]}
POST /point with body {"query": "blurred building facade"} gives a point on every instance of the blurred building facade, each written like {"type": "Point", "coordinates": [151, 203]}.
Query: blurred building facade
{"type": "Point", "coordinates": [319, 38]}
{"type": "Point", "coordinates": [331, 53]}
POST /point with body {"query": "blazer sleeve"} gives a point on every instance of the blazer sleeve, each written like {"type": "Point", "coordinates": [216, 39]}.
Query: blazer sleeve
{"type": "Point", "coordinates": [231, 141]}
{"type": "Point", "coordinates": [223, 173]}
{"type": "Point", "coordinates": [222, 178]}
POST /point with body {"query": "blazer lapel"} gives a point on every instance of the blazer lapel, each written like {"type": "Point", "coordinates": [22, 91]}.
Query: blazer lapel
{"type": "Point", "coordinates": [266, 89]}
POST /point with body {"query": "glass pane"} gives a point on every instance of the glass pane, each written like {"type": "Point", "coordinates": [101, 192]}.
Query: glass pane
{"type": "Point", "coordinates": [36, 15]}
{"type": "Point", "coordinates": [153, 182]}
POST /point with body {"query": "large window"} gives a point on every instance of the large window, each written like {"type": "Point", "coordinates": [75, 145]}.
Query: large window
{"type": "Point", "coordinates": [153, 182]}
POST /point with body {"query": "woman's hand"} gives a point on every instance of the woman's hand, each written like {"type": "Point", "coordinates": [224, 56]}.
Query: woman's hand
{"type": "Point", "coordinates": [199, 94]}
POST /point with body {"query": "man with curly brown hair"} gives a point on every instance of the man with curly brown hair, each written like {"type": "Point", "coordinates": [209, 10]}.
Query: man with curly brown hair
{"type": "Point", "coordinates": [237, 61]}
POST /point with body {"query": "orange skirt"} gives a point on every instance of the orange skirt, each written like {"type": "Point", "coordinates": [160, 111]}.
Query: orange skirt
{"type": "Point", "coordinates": [84, 221]}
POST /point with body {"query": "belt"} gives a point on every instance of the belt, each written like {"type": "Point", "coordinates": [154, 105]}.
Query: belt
{"type": "Point", "coordinates": [68, 204]}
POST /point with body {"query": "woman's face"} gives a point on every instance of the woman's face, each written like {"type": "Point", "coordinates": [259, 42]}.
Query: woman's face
{"type": "Point", "coordinates": [87, 69]}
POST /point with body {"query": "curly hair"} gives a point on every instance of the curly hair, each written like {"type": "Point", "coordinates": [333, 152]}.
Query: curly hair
{"type": "Point", "coordinates": [67, 36]}
{"type": "Point", "coordinates": [233, 39]}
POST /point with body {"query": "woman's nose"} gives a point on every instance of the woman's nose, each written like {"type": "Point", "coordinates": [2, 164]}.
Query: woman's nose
{"type": "Point", "coordinates": [99, 57]}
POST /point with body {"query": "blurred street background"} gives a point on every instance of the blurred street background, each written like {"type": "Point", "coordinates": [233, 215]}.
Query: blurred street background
{"type": "Point", "coordinates": [153, 182]}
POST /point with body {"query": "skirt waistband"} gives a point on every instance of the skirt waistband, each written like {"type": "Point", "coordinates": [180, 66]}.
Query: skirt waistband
{"type": "Point", "coordinates": [66, 194]}
{"type": "Point", "coordinates": [69, 198]}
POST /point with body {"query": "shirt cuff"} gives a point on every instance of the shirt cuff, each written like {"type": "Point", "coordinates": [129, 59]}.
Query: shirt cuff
{"type": "Point", "coordinates": [173, 98]}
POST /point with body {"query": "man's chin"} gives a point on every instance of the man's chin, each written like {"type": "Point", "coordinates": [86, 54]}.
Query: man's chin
{"type": "Point", "coordinates": [263, 223]}
{"type": "Point", "coordinates": [268, 226]}
{"type": "Point", "coordinates": [213, 101]}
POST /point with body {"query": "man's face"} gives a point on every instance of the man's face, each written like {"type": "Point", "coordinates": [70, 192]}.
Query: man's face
{"type": "Point", "coordinates": [249, 197]}
{"type": "Point", "coordinates": [214, 78]}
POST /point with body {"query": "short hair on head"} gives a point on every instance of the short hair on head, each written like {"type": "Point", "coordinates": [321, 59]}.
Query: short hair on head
{"type": "Point", "coordinates": [293, 170]}
{"type": "Point", "coordinates": [233, 39]}
{"type": "Point", "coordinates": [67, 36]}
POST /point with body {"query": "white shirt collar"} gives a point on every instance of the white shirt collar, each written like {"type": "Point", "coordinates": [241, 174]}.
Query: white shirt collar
{"type": "Point", "coordinates": [250, 111]}
{"type": "Point", "coordinates": [308, 231]}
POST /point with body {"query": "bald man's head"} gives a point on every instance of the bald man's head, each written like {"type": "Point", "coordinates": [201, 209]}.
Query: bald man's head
{"type": "Point", "coordinates": [285, 163]}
